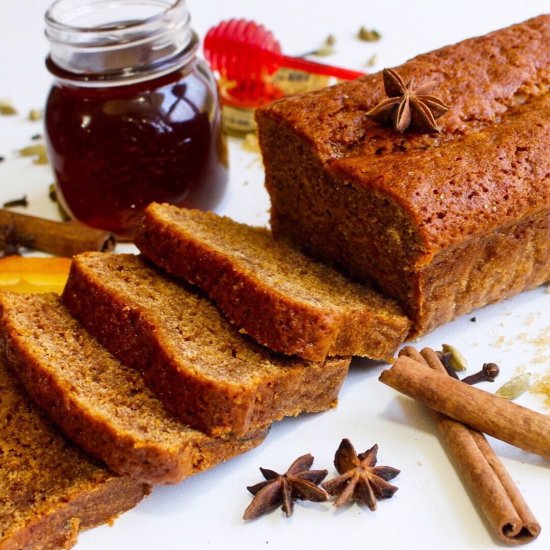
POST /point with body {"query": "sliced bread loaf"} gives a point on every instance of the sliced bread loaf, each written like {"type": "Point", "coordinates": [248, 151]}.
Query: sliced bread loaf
{"type": "Point", "coordinates": [49, 489]}
{"type": "Point", "coordinates": [269, 289]}
{"type": "Point", "coordinates": [100, 404]}
{"type": "Point", "coordinates": [208, 374]}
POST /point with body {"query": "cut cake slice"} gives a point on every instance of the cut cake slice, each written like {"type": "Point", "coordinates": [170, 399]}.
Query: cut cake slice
{"type": "Point", "coordinates": [204, 371]}
{"type": "Point", "coordinates": [269, 289]}
{"type": "Point", "coordinates": [49, 489]}
{"type": "Point", "coordinates": [98, 403]}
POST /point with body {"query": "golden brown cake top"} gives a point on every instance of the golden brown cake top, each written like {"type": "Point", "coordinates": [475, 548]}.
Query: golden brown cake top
{"type": "Point", "coordinates": [473, 185]}
{"type": "Point", "coordinates": [481, 79]}
{"type": "Point", "coordinates": [488, 165]}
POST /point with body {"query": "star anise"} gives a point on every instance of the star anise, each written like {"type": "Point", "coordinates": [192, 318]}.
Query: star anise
{"type": "Point", "coordinates": [359, 479]}
{"type": "Point", "coordinates": [299, 482]}
{"type": "Point", "coordinates": [407, 106]}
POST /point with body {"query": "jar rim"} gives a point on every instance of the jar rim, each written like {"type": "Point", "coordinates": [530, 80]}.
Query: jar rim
{"type": "Point", "coordinates": [53, 22]}
{"type": "Point", "coordinates": [124, 40]}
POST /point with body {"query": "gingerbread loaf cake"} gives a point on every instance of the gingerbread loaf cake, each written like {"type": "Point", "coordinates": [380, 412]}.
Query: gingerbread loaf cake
{"type": "Point", "coordinates": [50, 489]}
{"type": "Point", "coordinates": [204, 371]}
{"type": "Point", "coordinates": [269, 289]}
{"type": "Point", "coordinates": [443, 222]}
{"type": "Point", "coordinates": [101, 405]}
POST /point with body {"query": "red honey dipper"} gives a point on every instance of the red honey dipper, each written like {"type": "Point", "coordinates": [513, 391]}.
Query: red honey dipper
{"type": "Point", "coordinates": [245, 51]}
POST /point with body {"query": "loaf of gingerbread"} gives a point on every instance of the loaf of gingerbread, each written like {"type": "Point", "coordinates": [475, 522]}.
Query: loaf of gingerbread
{"type": "Point", "coordinates": [444, 219]}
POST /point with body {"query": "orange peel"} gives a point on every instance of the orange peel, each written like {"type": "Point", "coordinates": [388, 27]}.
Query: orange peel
{"type": "Point", "coordinates": [34, 275]}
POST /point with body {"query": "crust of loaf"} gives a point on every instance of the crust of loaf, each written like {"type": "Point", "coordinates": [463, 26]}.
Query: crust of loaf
{"type": "Point", "coordinates": [203, 370]}
{"type": "Point", "coordinates": [49, 489]}
{"type": "Point", "coordinates": [444, 223]}
{"type": "Point", "coordinates": [269, 289]}
{"type": "Point", "coordinates": [98, 403]}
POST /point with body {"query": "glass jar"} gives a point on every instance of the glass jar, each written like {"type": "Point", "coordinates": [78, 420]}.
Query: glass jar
{"type": "Point", "coordinates": [133, 116]}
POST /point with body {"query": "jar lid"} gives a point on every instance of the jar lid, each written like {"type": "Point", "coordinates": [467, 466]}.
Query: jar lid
{"type": "Point", "coordinates": [94, 40]}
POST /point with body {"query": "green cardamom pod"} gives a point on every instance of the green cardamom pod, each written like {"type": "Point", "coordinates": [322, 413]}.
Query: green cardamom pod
{"type": "Point", "coordinates": [515, 387]}
{"type": "Point", "coordinates": [456, 359]}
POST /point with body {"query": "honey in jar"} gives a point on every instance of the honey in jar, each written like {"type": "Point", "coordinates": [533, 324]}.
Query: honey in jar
{"type": "Point", "coordinates": [133, 115]}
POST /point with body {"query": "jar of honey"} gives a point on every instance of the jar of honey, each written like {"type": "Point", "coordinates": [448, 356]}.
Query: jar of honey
{"type": "Point", "coordinates": [133, 115]}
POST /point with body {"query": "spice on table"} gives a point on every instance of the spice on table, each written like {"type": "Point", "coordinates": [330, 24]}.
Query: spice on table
{"type": "Point", "coordinates": [368, 35]}
{"type": "Point", "coordinates": [488, 373]}
{"type": "Point", "coordinates": [484, 475]}
{"type": "Point", "coordinates": [477, 408]}
{"type": "Point", "coordinates": [17, 202]}
{"type": "Point", "coordinates": [445, 358]}
{"type": "Point", "coordinates": [515, 387]}
{"type": "Point", "coordinates": [6, 108]}
{"type": "Point", "coordinates": [324, 51]}
{"type": "Point", "coordinates": [456, 359]}
{"type": "Point", "coordinates": [38, 151]}
{"type": "Point", "coordinates": [12, 241]}
{"type": "Point", "coordinates": [35, 114]}
{"type": "Point", "coordinates": [58, 238]}
{"type": "Point", "coordinates": [406, 106]}
{"type": "Point", "coordinates": [542, 388]}
{"type": "Point", "coordinates": [360, 479]}
{"type": "Point", "coordinates": [299, 482]}
{"type": "Point", "coordinates": [371, 61]}
{"type": "Point", "coordinates": [52, 194]}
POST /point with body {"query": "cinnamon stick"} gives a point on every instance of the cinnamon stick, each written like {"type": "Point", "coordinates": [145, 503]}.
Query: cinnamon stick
{"type": "Point", "coordinates": [476, 408]}
{"type": "Point", "coordinates": [58, 238]}
{"type": "Point", "coordinates": [484, 475]}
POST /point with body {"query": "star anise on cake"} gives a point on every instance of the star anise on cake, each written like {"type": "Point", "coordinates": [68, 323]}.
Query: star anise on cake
{"type": "Point", "coordinates": [360, 479]}
{"type": "Point", "coordinates": [407, 106]}
{"type": "Point", "coordinates": [298, 482]}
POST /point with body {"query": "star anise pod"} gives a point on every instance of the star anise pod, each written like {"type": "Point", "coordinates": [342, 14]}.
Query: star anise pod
{"type": "Point", "coordinates": [407, 106]}
{"type": "Point", "coordinates": [299, 482]}
{"type": "Point", "coordinates": [360, 479]}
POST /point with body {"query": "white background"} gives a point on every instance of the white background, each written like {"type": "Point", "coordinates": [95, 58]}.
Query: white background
{"type": "Point", "coordinates": [431, 510]}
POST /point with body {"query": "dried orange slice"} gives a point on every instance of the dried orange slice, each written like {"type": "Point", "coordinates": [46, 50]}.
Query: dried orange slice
{"type": "Point", "coordinates": [33, 275]}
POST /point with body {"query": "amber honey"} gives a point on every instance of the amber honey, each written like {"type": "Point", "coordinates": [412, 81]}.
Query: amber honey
{"type": "Point", "coordinates": [133, 120]}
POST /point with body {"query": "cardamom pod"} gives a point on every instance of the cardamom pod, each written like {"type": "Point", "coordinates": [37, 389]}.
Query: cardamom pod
{"type": "Point", "coordinates": [456, 359]}
{"type": "Point", "coordinates": [6, 108]}
{"type": "Point", "coordinates": [32, 150]}
{"type": "Point", "coordinates": [515, 387]}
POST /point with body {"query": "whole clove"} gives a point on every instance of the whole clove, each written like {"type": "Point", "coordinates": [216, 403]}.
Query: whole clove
{"type": "Point", "coordinates": [17, 202]}
{"type": "Point", "coordinates": [445, 358]}
{"type": "Point", "coordinates": [488, 373]}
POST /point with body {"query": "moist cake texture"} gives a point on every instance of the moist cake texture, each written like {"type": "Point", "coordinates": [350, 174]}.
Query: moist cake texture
{"type": "Point", "coordinates": [203, 370]}
{"type": "Point", "coordinates": [283, 299]}
{"type": "Point", "coordinates": [49, 489]}
{"type": "Point", "coordinates": [98, 403]}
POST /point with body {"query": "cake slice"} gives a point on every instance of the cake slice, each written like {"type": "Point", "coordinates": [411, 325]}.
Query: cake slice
{"type": "Point", "coordinates": [98, 403]}
{"type": "Point", "coordinates": [49, 489]}
{"type": "Point", "coordinates": [269, 289]}
{"type": "Point", "coordinates": [204, 371]}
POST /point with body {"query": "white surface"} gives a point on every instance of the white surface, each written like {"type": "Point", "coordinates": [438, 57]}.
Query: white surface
{"type": "Point", "coordinates": [431, 510]}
